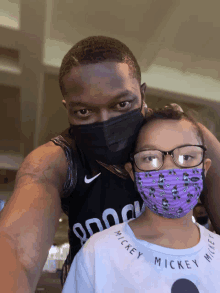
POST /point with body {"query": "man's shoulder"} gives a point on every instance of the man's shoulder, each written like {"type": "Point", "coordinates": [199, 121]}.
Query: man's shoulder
{"type": "Point", "coordinates": [65, 136]}
{"type": "Point", "coordinates": [51, 150]}
{"type": "Point", "coordinates": [48, 158]}
{"type": "Point", "coordinates": [50, 144]}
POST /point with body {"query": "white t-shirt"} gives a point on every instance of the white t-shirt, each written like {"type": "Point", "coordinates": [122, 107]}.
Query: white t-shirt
{"type": "Point", "coordinates": [114, 260]}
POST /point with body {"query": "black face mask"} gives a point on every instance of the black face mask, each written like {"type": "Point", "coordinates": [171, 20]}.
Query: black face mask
{"type": "Point", "coordinates": [111, 141]}
{"type": "Point", "coordinates": [202, 220]}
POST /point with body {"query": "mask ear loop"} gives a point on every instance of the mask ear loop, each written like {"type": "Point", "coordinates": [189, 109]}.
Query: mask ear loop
{"type": "Point", "coordinates": [135, 181]}
{"type": "Point", "coordinates": [204, 190]}
{"type": "Point", "coordinates": [133, 168]}
{"type": "Point", "coordinates": [134, 172]}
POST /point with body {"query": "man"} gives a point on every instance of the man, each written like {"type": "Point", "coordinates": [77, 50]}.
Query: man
{"type": "Point", "coordinates": [82, 169]}
{"type": "Point", "coordinates": [201, 216]}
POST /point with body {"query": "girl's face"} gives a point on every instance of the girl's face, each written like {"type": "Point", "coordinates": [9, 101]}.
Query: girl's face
{"type": "Point", "coordinates": [165, 135]}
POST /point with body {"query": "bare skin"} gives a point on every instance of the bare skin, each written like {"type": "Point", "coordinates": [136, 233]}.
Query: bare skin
{"type": "Point", "coordinates": [93, 92]}
{"type": "Point", "coordinates": [30, 219]}
{"type": "Point", "coordinates": [173, 233]}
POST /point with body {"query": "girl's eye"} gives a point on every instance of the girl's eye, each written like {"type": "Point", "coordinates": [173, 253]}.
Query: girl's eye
{"type": "Point", "coordinates": [187, 157]}
{"type": "Point", "coordinates": [150, 158]}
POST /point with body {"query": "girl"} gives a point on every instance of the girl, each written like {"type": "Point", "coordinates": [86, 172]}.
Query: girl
{"type": "Point", "coordinates": [162, 250]}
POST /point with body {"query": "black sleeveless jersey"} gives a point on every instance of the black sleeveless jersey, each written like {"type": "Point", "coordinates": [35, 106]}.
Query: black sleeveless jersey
{"type": "Point", "coordinates": [93, 202]}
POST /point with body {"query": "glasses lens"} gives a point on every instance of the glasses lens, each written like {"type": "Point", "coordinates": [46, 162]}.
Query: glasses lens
{"type": "Point", "coordinates": [148, 160]}
{"type": "Point", "coordinates": [188, 156]}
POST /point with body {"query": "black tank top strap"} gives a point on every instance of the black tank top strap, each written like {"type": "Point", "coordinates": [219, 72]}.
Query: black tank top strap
{"type": "Point", "coordinates": [71, 179]}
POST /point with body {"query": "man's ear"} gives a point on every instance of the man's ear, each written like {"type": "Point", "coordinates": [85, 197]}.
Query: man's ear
{"type": "Point", "coordinates": [143, 90]}
{"type": "Point", "coordinates": [207, 165]}
{"type": "Point", "coordinates": [128, 168]}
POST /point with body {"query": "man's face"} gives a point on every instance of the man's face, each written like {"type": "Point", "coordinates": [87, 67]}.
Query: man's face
{"type": "Point", "coordinates": [199, 211]}
{"type": "Point", "coordinates": [98, 92]}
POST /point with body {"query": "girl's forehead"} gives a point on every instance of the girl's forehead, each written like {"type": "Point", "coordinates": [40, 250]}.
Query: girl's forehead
{"type": "Point", "coordinates": [167, 134]}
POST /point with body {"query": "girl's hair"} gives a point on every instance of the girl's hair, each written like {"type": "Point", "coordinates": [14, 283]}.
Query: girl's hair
{"type": "Point", "coordinates": [172, 112]}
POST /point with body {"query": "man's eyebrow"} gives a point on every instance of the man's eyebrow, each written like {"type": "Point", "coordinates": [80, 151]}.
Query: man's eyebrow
{"type": "Point", "coordinates": [77, 103]}
{"type": "Point", "coordinates": [125, 93]}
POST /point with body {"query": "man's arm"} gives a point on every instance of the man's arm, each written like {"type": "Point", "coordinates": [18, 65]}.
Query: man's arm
{"type": "Point", "coordinates": [212, 199]}
{"type": "Point", "coordinates": [30, 219]}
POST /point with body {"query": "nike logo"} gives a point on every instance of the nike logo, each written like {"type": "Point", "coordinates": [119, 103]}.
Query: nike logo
{"type": "Point", "coordinates": [91, 179]}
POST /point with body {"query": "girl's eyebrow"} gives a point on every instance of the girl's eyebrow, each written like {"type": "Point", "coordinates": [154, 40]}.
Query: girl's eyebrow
{"type": "Point", "coordinates": [151, 147]}
{"type": "Point", "coordinates": [147, 146]}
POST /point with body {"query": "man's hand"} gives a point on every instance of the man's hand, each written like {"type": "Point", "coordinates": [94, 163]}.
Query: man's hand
{"type": "Point", "coordinates": [211, 201]}
{"type": "Point", "coordinates": [174, 105]}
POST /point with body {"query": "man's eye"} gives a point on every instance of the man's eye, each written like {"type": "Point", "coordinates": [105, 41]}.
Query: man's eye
{"type": "Point", "coordinates": [82, 113]}
{"type": "Point", "coordinates": [123, 105]}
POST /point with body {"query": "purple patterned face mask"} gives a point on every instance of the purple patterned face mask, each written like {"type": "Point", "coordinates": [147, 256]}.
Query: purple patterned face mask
{"type": "Point", "coordinates": [170, 193]}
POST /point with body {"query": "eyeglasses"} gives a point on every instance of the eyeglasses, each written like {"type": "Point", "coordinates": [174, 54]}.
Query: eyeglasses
{"type": "Point", "coordinates": [187, 156]}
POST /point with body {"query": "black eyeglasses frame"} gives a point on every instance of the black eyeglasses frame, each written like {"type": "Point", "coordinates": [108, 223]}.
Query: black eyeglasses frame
{"type": "Point", "coordinates": [164, 153]}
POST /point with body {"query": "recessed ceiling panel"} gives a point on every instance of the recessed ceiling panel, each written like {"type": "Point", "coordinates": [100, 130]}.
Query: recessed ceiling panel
{"type": "Point", "coordinates": [10, 13]}
{"type": "Point", "coordinates": [133, 22]}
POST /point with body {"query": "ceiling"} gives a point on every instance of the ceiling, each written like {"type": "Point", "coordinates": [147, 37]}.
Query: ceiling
{"type": "Point", "coordinates": [175, 42]}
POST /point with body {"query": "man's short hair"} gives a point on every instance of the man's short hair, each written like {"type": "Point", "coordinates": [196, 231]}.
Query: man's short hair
{"type": "Point", "coordinates": [98, 49]}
